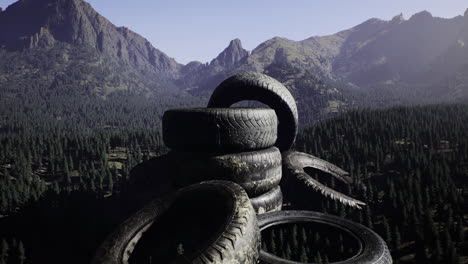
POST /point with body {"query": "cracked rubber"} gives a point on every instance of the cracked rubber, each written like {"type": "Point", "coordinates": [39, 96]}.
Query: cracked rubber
{"type": "Point", "coordinates": [373, 249]}
{"type": "Point", "coordinates": [212, 222]}
{"type": "Point", "coordinates": [219, 129]}
{"type": "Point", "coordinates": [256, 171]}
{"type": "Point", "coordinates": [267, 90]}
{"type": "Point", "coordinates": [270, 201]}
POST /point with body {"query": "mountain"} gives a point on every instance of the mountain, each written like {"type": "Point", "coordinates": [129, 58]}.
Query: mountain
{"type": "Point", "coordinates": [66, 49]}
{"type": "Point", "coordinates": [50, 44]}
{"type": "Point", "coordinates": [65, 67]}
{"type": "Point", "coordinates": [232, 55]}
{"type": "Point", "coordinates": [75, 22]}
{"type": "Point", "coordinates": [377, 50]}
{"type": "Point", "coordinates": [201, 78]}
{"type": "Point", "coordinates": [396, 49]}
{"type": "Point", "coordinates": [423, 59]}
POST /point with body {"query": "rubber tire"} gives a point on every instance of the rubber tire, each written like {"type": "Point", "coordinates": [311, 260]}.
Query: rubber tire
{"type": "Point", "coordinates": [293, 166]}
{"type": "Point", "coordinates": [256, 171]}
{"type": "Point", "coordinates": [267, 90]}
{"type": "Point", "coordinates": [373, 248]}
{"type": "Point", "coordinates": [271, 201]}
{"type": "Point", "coordinates": [149, 180]}
{"type": "Point", "coordinates": [219, 129]}
{"type": "Point", "coordinates": [237, 241]}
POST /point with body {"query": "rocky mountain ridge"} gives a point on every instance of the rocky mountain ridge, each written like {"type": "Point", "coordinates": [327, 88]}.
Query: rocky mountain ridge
{"type": "Point", "coordinates": [42, 23]}
{"type": "Point", "coordinates": [421, 52]}
{"type": "Point", "coordinates": [416, 60]}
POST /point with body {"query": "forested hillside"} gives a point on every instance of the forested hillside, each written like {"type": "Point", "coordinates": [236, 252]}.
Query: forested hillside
{"type": "Point", "coordinates": [410, 167]}
{"type": "Point", "coordinates": [67, 188]}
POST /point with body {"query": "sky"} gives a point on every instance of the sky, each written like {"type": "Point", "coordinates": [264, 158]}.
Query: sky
{"type": "Point", "coordinates": [189, 30]}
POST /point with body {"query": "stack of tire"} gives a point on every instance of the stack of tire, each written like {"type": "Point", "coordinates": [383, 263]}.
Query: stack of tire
{"type": "Point", "coordinates": [242, 145]}
{"type": "Point", "coordinates": [215, 222]}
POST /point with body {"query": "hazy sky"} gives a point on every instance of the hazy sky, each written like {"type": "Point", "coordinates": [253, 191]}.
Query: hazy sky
{"type": "Point", "coordinates": [200, 29]}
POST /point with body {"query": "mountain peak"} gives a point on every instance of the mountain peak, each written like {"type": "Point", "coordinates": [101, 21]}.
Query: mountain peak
{"type": "Point", "coordinates": [466, 13]}
{"type": "Point", "coordinates": [235, 44]}
{"type": "Point", "coordinates": [231, 55]}
{"type": "Point", "coordinates": [70, 21]}
{"type": "Point", "coordinates": [42, 23]}
{"type": "Point", "coordinates": [398, 18]}
{"type": "Point", "coordinates": [421, 15]}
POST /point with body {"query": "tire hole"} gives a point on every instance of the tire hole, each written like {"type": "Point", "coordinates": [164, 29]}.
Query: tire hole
{"type": "Point", "coordinates": [309, 242]}
{"type": "Point", "coordinates": [182, 232]}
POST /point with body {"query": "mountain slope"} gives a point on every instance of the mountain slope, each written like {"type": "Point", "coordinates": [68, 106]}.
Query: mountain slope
{"type": "Point", "coordinates": [399, 49]}
{"type": "Point", "coordinates": [64, 47]}
{"type": "Point", "coordinates": [62, 63]}
{"type": "Point", "coordinates": [75, 22]}
{"type": "Point", "coordinates": [419, 60]}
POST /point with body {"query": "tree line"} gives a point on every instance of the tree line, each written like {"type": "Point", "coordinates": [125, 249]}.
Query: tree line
{"type": "Point", "coordinates": [410, 166]}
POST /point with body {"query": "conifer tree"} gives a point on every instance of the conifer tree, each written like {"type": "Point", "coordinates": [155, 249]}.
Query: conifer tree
{"type": "Point", "coordinates": [318, 258]}
{"type": "Point", "coordinates": [396, 238]}
{"type": "Point", "coordinates": [437, 251]}
{"type": "Point", "coordinates": [386, 230]}
{"type": "Point", "coordinates": [273, 247]}
{"type": "Point", "coordinates": [4, 250]}
{"type": "Point", "coordinates": [304, 258]}
{"type": "Point", "coordinates": [295, 239]}
{"type": "Point", "coordinates": [288, 252]}
{"type": "Point", "coordinates": [21, 253]}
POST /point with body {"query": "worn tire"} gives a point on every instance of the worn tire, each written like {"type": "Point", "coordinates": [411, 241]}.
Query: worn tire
{"type": "Point", "coordinates": [293, 166]}
{"type": "Point", "coordinates": [270, 201]}
{"type": "Point", "coordinates": [216, 218]}
{"type": "Point", "coordinates": [373, 249]}
{"type": "Point", "coordinates": [147, 181]}
{"type": "Point", "coordinates": [219, 129]}
{"type": "Point", "coordinates": [256, 171]}
{"type": "Point", "coordinates": [262, 88]}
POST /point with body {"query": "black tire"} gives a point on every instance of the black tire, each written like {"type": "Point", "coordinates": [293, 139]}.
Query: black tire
{"type": "Point", "coordinates": [213, 222]}
{"type": "Point", "coordinates": [270, 201]}
{"type": "Point", "coordinates": [219, 129]}
{"type": "Point", "coordinates": [262, 88]}
{"type": "Point", "coordinates": [149, 180]}
{"type": "Point", "coordinates": [256, 171]}
{"type": "Point", "coordinates": [373, 249]}
{"type": "Point", "coordinates": [293, 166]}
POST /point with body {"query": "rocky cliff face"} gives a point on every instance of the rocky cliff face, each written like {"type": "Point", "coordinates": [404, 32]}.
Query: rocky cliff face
{"type": "Point", "coordinates": [230, 56]}
{"type": "Point", "coordinates": [42, 23]}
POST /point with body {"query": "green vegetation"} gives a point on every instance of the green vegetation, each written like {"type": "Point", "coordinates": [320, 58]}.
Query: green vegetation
{"type": "Point", "coordinates": [410, 166]}
{"type": "Point", "coordinates": [80, 89]}
{"type": "Point", "coordinates": [309, 242]}
{"type": "Point", "coordinates": [32, 164]}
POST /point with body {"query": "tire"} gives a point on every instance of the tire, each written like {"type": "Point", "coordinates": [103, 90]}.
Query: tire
{"type": "Point", "coordinates": [373, 249]}
{"type": "Point", "coordinates": [256, 171]}
{"type": "Point", "coordinates": [293, 166]}
{"type": "Point", "coordinates": [270, 201]}
{"type": "Point", "coordinates": [262, 88]}
{"type": "Point", "coordinates": [210, 222]}
{"type": "Point", "coordinates": [219, 129]}
{"type": "Point", "coordinates": [149, 180]}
